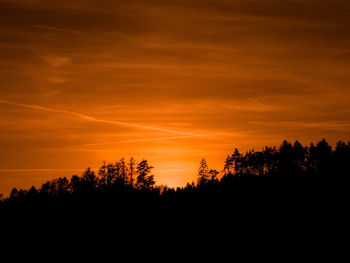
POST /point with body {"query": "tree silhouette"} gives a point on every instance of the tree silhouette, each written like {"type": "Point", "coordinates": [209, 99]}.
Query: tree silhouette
{"type": "Point", "coordinates": [32, 194]}
{"type": "Point", "coordinates": [89, 179]}
{"type": "Point", "coordinates": [144, 180]}
{"type": "Point", "coordinates": [229, 165]}
{"type": "Point", "coordinates": [102, 173]}
{"type": "Point", "coordinates": [131, 170]}
{"type": "Point", "coordinates": [14, 194]}
{"type": "Point", "coordinates": [203, 172]}
{"type": "Point", "coordinates": [237, 162]}
{"type": "Point", "coordinates": [323, 157]}
{"type": "Point", "coordinates": [123, 170]}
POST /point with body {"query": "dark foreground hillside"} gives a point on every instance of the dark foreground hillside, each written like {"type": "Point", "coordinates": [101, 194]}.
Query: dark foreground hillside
{"type": "Point", "coordinates": [290, 182]}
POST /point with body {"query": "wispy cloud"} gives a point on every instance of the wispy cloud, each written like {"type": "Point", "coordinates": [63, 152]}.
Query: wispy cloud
{"type": "Point", "coordinates": [40, 170]}
{"type": "Point", "coordinates": [56, 61]}
{"type": "Point", "coordinates": [93, 119]}
{"type": "Point", "coordinates": [256, 101]}
{"type": "Point", "coordinates": [144, 140]}
{"type": "Point", "coordinates": [57, 29]}
{"type": "Point", "coordinates": [326, 125]}
{"type": "Point", "coordinates": [56, 80]}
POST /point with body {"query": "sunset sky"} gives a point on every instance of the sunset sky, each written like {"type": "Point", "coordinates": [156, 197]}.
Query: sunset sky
{"type": "Point", "coordinates": [170, 81]}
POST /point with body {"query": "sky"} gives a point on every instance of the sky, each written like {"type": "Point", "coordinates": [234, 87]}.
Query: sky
{"type": "Point", "coordinates": [173, 81]}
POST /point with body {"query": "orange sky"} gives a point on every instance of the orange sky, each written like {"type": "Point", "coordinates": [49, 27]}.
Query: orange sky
{"type": "Point", "coordinates": [170, 81]}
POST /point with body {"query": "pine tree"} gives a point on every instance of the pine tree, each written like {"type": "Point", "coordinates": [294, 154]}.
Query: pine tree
{"type": "Point", "coordinates": [102, 173]}
{"type": "Point", "coordinates": [228, 165]}
{"type": "Point", "coordinates": [144, 180]}
{"type": "Point", "coordinates": [237, 161]}
{"type": "Point", "coordinates": [203, 172]}
{"type": "Point", "coordinates": [131, 170]}
{"type": "Point", "coordinates": [123, 170]}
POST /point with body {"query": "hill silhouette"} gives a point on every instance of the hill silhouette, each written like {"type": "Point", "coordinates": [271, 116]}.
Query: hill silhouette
{"type": "Point", "coordinates": [275, 180]}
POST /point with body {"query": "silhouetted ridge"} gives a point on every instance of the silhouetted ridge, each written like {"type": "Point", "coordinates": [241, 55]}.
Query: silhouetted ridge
{"type": "Point", "coordinates": [291, 176]}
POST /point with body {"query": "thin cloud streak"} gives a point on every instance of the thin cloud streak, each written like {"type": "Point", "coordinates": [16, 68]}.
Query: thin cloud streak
{"type": "Point", "coordinates": [49, 28]}
{"type": "Point", "coordinates": [89, 118]}
{"type": "Point", "coordinates": [41, 170]}
{"type": "Point", "coordinates": [144, 140]}
{"type": "Point", "coordinates": [256, 101]}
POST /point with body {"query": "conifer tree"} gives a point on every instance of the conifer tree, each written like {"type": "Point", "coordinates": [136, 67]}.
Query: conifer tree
{"type": "Point", "coordinates": [144, 180]}
{"type": "Point", "coordinates": [203, 172]}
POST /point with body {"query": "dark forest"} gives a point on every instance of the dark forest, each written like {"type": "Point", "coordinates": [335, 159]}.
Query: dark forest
{"type": "Point", "coordinates": [291, 176]}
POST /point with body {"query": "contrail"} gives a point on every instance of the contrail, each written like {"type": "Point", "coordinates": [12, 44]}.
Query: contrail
{"type": "Point", "coordinates": [58, 29]}
{"type": "Point", "coordinates": [256, 101]}
{"type": "Point", "coordinates": [90, 118]}
{"type": "Point", "coordinates": [40, 170]}
{"type": "Point", "coordinates": [142, 140]}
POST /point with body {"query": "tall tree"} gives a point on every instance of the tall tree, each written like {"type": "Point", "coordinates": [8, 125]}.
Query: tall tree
{"type": "Point", "coordinates": [144, 180]}
{"type": "Point", "coordinates": [228, 165]}
{"type": "Point", "coordinates": [131, 170]}
{"type": "Point", "coordinates": [237, 161]}
{"type": "Point", "coordinates": [89, 180]}
{"type": "Point", "coordinates": [324, 157]}
{"type": "Point", "coordinates": [287, 163]}
{"type": "Point", "coordinates": [102, 173]}
{"type": "Point", "coordinates": [203, 172]}
{"type": "Point", "coordinates": [123, 170]}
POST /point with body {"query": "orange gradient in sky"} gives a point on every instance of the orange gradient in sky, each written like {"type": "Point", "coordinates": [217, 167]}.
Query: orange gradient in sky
{"type": "Point", "coordinates": [82, 82]}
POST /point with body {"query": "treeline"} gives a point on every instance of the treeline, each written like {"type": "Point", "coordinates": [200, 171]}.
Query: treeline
{"type": "Point", "coordinates": [120, 176]}
{"type": "Point", "coordinates": [291, 160]}
{"type": "Point", "coordinates": [269, 174]}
